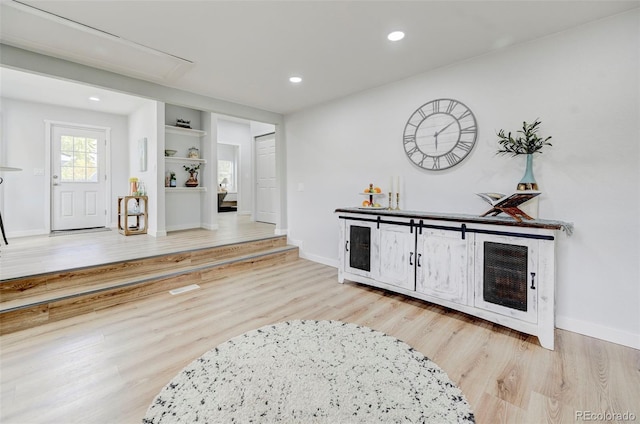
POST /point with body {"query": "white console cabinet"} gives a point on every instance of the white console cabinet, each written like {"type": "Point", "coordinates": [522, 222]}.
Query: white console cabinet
{"type": "Point", "coordinates": [491, 267]}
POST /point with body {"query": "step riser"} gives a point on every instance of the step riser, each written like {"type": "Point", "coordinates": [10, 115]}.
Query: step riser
{"type": "Point", "coordinates": [26, 287]}
{"type": "Point", "coordinates": [65, 308]}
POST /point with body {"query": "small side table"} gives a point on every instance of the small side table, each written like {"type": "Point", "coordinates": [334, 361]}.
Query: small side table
{"type": "Point", "coordinates": [130, 207]}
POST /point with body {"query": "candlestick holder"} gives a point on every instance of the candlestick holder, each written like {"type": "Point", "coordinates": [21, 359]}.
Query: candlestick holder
{"type": "Point", "coordinates": [390, 201]}
{"type": "Point", "coordinates": [397, 201]}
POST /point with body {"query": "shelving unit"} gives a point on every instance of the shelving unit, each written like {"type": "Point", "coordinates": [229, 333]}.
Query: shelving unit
{"type": "Point", "coordinates": [187, 207]}
{"type": "Point", "coordinates": [125, 214]}
{"type": "Point", "coordinates": [172, 129]}
{"type": "Point", "coordinates": [181, 144]}
{"type": "Point", "coordinates": [184, 189]}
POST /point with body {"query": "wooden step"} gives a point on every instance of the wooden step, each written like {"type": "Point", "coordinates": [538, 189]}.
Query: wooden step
{"type": "Point", "coordinates": [29, 301]}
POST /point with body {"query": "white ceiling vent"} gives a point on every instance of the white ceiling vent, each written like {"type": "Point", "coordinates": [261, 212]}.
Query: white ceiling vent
{"type": "Point", "coordinates": [34, 29]}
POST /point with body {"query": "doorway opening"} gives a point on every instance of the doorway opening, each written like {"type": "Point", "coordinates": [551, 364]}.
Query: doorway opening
{"type": "Point", "coordinates": [78, 189]}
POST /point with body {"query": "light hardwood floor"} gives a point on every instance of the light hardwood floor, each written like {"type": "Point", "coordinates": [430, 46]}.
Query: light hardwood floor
{"type": "Point", "coordinates": [40, 254]}
{"type": "Point", "coordinates": [106, 367]}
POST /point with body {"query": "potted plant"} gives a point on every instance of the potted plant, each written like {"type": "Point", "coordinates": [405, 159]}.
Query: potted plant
{"type": "Point", "coordinates": [527, 143]}
{"type": "Point", "coordinates": [193, 174]}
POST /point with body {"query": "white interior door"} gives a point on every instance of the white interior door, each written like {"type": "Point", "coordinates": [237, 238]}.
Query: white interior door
{"type": "Point", "coordinates": [78, 174]}
{"type": "Point", "coordinates": [266, 193]}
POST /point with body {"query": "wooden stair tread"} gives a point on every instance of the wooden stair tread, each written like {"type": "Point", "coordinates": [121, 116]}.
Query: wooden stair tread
{"type": "Point", "coordinates": [73, 291]}
{"type": "Point", "coordinates": [65, 302]}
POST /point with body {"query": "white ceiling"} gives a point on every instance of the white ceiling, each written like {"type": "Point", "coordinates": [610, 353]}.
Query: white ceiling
{"type": "Point", "coordinates": [244, 51]}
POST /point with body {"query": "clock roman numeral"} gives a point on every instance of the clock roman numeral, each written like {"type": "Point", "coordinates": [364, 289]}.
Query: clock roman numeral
{"type": "Point", "coordinates": [436, 106]}
{"type": "Point", "coordinates": [421, 113]}
{"type": "Point", "coordinates": [409, 138]}
{"type": "Point", "coordinates": [436, 162]}
{"type": "Point", "coordinates": [411, 151]}
{"type": "Point", "coordinates": [468, 130]}
{"type": "Point", "coordinates": [464, 145]}
{"type": "Point", "coordinates": [452, 158]}
{"type": "Point", "coordinates": [452, 105]}
{"type": "Point", "coordinates": [422, 160]}
{"type": "Point", "coordinates": [465, 114]}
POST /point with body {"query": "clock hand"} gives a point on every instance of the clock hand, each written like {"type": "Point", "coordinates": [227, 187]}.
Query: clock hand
{"type": "Point", "coordinates": [438, 132]}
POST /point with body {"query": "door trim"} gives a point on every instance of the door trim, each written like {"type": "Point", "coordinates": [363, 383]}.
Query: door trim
{"type": "Point", "coordinates": [277, 178]}
{"type": "Point", "coordinates": [48, 137]}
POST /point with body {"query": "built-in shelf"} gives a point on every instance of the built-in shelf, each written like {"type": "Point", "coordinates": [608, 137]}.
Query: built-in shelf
{"type": "Point", "coordinates": [177, 159]}
{"type": "Point", "coordinates": [184, 131]}
{"type": "Point", "coordinates": [184, 189]}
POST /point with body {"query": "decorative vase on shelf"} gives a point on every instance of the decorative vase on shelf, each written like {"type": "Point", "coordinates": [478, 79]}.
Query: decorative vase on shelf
{"type": "Point", "coordinates": [193, 180]}
{"type": "Point", "coordinates": [528, 181]}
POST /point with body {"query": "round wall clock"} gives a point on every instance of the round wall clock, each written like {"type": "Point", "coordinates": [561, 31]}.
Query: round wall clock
{"type": "Point", "coordinates": [440, 134]}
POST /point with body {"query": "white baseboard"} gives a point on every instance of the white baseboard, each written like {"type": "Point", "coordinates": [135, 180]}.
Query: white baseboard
{"type": "Point", "coordinates": [182, 227]}
{"type": "Point", "coordinates": [601, 332]}
{"type": "Point", "coordinates": [281, 232]}
{"type": "Point", "coordinates": [28, 233]}
{"type": "Point", "coordinates": [314, 258]}
{"type": "Point", "coordinates": [319, 259]}
{"type": "Point", "coordinates": [211, 227]}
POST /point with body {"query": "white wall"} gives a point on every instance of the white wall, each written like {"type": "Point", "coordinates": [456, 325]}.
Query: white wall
{"type": "Point", "coordinates": [239, 134]}
{"type": "Point", "coordinates": [25, 145]}
{"type": "Point", "coordinates": [582, 84]}
{"type": "Point", "coordinates": [143, 123]}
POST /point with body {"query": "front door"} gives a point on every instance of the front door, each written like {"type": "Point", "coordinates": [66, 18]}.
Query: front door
{"type": "Point", "coordinates": [78, 171]}
{"type": "Point", "coordinates": [266, 196]}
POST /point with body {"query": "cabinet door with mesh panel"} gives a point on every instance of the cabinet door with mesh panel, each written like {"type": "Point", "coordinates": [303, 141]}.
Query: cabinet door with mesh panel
{"type": "Point", "coordinates": [360, 247]}
{"type": "Point", "coordinates": [506, 276]}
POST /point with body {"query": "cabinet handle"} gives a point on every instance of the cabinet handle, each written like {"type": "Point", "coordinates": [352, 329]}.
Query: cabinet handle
{"type": "Point", "coordinates": [533, 281]}
{"type": "Point", "coordinates": [410, 258]}
{"type": "Point", "coordinates": [419, 256]}
{"type": "Point", "coordinates": [346, 245]}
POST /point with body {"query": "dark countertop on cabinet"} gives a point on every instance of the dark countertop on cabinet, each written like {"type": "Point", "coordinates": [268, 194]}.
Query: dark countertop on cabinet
{"type": "Point", "coordinates": [454, 217]}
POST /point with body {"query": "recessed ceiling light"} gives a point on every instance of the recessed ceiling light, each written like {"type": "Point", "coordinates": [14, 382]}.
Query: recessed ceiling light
{"type": "Point", "coordinates": [395, 36]}
{"type": "Point", "coordinates": [94, 98]}
{"type": "Point", "coordinates": [295, 80]}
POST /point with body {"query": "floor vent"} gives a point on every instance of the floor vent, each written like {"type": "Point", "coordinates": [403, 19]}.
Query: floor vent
{"type": "Point", "coordinates": [184, 289]}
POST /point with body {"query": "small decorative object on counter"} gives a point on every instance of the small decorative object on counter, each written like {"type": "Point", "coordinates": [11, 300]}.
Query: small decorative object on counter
{"type": "Point", "coordinates": [193, 174]}
{"type": "Point", "coordinates": [172, 179]}
{"type": "Point", "coordinates": [526, 144]}
{"type": "Point", "coordinates": [372, 192]}
{"type": "Point", "coordinates": [183, 123]}
{"type": "Point", "coordinates": [142, 189]}
{"type": "Point", "coordinates": [133, 186]}
{"type": "Point", "coordinates": [194, 153]}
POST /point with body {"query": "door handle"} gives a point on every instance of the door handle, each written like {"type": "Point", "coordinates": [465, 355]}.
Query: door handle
{"type": "Point", "coordinates": [55, 183]}
{"type": "Point", "coordinates": [419, 256]}
{"type": "Point", "coordinates": [533, 281]}
{"type": "Point", "coordinates": [346, 245]}
{"type": "Point", "coordinates": [410, 258]}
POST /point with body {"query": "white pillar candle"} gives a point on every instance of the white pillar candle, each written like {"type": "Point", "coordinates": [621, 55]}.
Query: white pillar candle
{"type": "Point", "coordinates": [398, 184]}
{"type": "Point", "coordinates": [390, 184]}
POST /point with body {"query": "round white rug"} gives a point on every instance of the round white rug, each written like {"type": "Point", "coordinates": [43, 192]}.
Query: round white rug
{"type": "Point", "coordinates": [311, 372]}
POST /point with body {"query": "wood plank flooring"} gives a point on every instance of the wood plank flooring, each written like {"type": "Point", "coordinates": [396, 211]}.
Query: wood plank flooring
{"type": "Point", "coordinates": [107, 366]}
{"type": "Point", "coordinates": [40, 254]}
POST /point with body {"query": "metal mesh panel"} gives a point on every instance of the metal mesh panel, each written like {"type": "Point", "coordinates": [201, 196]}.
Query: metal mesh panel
{"type": "Point", "coordinates": [359, 248]}
{"type": "Point", "coordinates": [505, 275]}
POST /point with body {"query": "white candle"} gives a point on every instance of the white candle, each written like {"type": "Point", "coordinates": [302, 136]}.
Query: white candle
{"type": "Point", "coordinates": [398, 184]}
{"type": "Point", "coordinates": [390, 184]}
